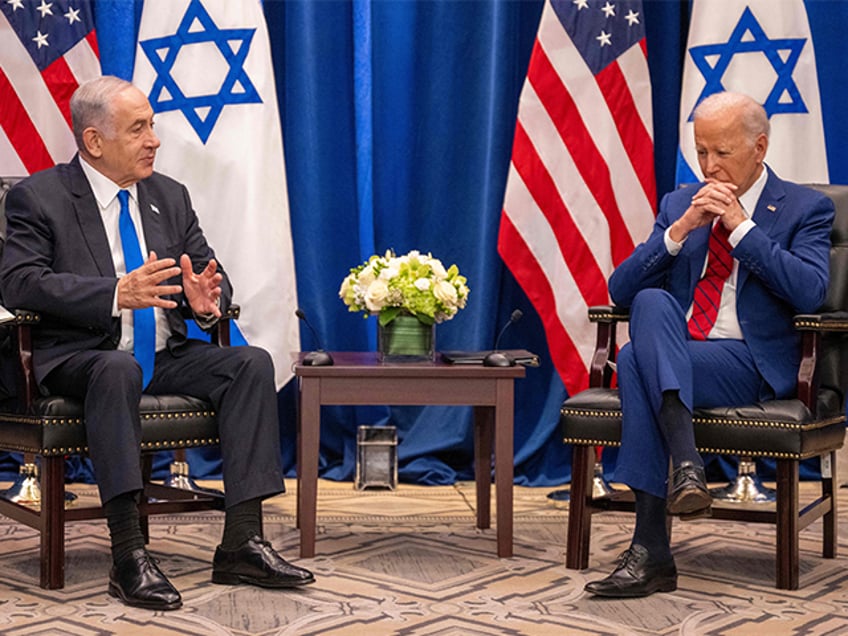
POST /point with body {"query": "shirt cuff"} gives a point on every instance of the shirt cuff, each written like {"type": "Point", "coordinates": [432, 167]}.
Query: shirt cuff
{"type": "Point", "coordinates": [671, 245]}
{"type": "Point", "coordinates": [741, 230]}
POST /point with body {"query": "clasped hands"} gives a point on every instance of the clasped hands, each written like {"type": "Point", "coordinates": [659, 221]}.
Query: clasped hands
{"type": "Point", "coordinates": [143, 287]}
{"type": "Point", "coordinates": [717, 199]}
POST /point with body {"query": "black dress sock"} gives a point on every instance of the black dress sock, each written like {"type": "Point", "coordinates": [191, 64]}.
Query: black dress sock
{"type": "Point", "coordinates": [651, 531]}
{"type": "Point", "coordinates": [122, 517]}
{"type": "Point", "coordinates": [241, 522]}
{"type": "Point", "coordinates": [676, 427]}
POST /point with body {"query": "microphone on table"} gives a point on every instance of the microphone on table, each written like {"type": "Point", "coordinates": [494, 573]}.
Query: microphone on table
{"type": "Point", "coordinates": [496, 358]}
{"type": "Point", "coordinates": [319, 358]}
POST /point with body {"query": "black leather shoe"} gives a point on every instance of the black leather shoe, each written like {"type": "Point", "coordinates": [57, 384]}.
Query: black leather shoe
{"type": "Point", "coordinates": [636, 575]}
{"type": "Point", "coordinates": [689, 496]}
{"type": "Point", "coordinates": [137, 581]}
{"type": "Point", "coordinates": [256, 563]}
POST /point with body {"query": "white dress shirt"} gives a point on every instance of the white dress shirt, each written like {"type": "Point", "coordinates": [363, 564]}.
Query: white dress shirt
{"type": "Point", "coordinates": [727, 321]}
{"type": "Point", "coordinates": [106, 193]}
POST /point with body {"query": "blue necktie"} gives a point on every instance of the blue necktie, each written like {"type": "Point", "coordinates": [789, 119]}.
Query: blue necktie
{"type": "Point", "coordinates": [144, 322]}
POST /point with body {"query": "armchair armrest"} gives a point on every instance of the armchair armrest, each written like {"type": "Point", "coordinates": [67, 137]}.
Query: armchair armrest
{"type": "Point", "coordinates": [813, 328]}
{"type": "Point", "coordinates": [608, 314]}
{"type": "Point", "coordinates": [607, 318]}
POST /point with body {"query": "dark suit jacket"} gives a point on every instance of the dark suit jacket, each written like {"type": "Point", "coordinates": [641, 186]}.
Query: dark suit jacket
{"type": "Point", "coordinates": [57, 260]}
{"type": "Point", "coordinates": [783, 270]}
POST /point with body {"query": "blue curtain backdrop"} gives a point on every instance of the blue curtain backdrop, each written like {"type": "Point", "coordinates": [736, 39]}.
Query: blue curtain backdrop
{"type": "Point", "coordinates": [398, 117]}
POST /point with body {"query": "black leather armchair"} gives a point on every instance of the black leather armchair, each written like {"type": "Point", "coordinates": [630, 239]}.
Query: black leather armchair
{"type": "Point", "coordinates": [51, 428]}
{"type": "Point", "coordinates": [811, 425]}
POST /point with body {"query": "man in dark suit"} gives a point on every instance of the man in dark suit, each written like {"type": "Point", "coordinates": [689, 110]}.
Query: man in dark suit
{"type": "Point", "coordinates": [72, 231]}
{"type": "Point", "coordinates": [709, 330]}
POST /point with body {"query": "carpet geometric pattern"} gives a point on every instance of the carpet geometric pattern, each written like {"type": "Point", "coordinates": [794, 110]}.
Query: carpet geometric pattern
{"type": "Point", "coordinates": [411, 563]}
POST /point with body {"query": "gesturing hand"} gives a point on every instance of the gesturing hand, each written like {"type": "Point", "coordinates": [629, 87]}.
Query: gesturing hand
{"type": "Point", "coordinates": [143, 287]}
{"type": "Point", "coordinates": [204, 289]}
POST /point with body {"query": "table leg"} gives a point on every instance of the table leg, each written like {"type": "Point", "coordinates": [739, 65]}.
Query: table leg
{"type": "Point", "coordinates": [504, 443]}
{"type": "Point", "coordinates": [484, 421]}
{"type": "Point", "coordinates": [309, 427]}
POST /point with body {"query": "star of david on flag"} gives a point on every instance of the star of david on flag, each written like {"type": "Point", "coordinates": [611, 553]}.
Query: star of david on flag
{"type": "Point", "coordinates": [764, 49]}
{"type": "Point", "coordinates": [197, 28]}
{"type": "Point", "coordinates": [206, 68]}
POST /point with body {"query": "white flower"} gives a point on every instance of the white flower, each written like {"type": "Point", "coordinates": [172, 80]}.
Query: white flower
{"type": "Point", "coordinates": [422, 283]}
{"type": "Point", "coordinates": [438, 269]}
{"type": "Point", "coordinates": [366, 277]}
{"type": "Point", "coordinates": [389, 272]}
{"type": "Point", "coordinates": [376, 294]}
{"type": "Point", "coordinates": [445, 293]}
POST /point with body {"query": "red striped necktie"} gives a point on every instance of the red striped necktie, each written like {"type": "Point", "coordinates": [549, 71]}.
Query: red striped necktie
{"type": "Point", "coordinates": [708, 291]}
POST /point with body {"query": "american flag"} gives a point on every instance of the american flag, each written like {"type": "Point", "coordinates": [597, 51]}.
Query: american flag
{"type": "Point", "coordinates": [47, 48]}
{"type": "Point", "coordinates": [581, 191]}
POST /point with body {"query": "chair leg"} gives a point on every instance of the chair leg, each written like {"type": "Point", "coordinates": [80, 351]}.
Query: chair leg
{"type": "Point", "coordinates": [788, 525]}
{"type": "Point", "coordinates": [52, 522]}
{"type": "Point", "coordinates": [579, 512]}
{"type": "Point", "coordinates": [829, 527]}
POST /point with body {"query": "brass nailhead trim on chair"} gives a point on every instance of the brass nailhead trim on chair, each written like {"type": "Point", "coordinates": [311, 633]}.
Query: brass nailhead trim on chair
{"type": "Point", "coordinates": [182, 443]}
{"type": "Point", "coordinates": [180, 415]}
{"type": "Point", "coordinates": [835, 325]}
{"type": "Point", "coordinates": [589, 442]}
{"type": "Point", "coordinates": [592, 413]}
{"type": "Point", "coordinates": [769, 424]}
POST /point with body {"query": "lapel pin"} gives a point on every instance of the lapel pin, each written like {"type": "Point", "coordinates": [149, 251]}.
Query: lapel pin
{"type": "Point", "coordinates": [154, 208]}
{"type": "Point", "coordinates": [771, 208]}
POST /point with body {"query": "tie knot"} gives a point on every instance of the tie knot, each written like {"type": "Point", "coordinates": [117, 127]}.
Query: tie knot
{"type": "Point", "coordinates": [123, 198]}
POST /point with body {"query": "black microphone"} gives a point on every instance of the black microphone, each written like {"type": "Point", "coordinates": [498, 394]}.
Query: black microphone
{"type": "Point", "coordinates": [496, 358]}
{"type": "Point", "coordinates": [319, 358]}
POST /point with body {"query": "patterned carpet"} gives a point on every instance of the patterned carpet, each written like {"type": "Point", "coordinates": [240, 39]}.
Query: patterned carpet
{"type": "Point", "coordinates": [411, 563]}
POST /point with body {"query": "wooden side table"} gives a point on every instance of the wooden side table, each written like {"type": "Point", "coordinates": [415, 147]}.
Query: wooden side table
{"type": "Point", "coordinates": [358, 378]}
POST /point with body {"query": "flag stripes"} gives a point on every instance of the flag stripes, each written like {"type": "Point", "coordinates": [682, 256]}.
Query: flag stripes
{"type": "Point", "coordinates": [581, 191]}
{"type": "Point", "coordinates": [35, 104]}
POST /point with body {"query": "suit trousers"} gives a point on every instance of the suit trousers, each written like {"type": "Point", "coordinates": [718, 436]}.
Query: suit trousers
{"type": "Point", "coordinates": [661, 357]}
{"type": "Point", "coordinates": [237, 381]}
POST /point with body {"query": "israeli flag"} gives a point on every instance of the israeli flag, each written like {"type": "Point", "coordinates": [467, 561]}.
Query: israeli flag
{"type": "Point", "coordinates": [765, 49]}
{"type": "Point", "coordinates": [205, 66]}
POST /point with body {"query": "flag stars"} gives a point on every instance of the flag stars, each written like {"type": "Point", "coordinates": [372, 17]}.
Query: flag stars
{"type": "Point", "coordinates": [16, 4]}
{"type": "Point", "coordinates": [609, 10]}
{"type": "Point", "coordinates": [72, 15]}
{"type": "Point", "coordinates": [632, 17]}
{"type": "Point", "coordinates": [581, 4]}
{"type": "Point", "coordinates": [44, 8]}
{"type": "Point", "coordinates": [40, 39]}
{"type": "Point", "coordinates": [605, 39]}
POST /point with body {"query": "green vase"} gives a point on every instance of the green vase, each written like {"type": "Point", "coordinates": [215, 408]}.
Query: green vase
{"type": "Point", "coordinates": [406, 339]}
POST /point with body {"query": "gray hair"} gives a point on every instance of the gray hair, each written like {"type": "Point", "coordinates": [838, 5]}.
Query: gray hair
{"type": "Point", "coordinates": [91, 106]}
{"type": "Point", "coordinates": [753, 116]}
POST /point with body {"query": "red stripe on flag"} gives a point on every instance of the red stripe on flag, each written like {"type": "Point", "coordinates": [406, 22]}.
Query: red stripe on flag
{"type": "Point", "coordinates": [563, 111]}
{"type": "Point", "coordinates": [20, 130]}
{"type": "Point", "coordinates": [61, 83]}
{"type": "Point", "coordinates": [524, 267]}
{"type": "Point", "coordinates": [636, 139]}
{"type": "Point", "coordinates": [575, 252]}
{"type": "Point", "coordinates": [91, 38]}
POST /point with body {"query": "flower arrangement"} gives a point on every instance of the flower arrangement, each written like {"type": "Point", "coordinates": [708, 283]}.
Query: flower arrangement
{"type": "Point", "coordinates": [415, 284]}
